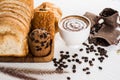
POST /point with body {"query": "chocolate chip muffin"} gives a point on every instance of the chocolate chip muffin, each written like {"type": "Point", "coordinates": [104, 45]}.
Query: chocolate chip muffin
{"type": "Point", "coordinates": [40, 41]}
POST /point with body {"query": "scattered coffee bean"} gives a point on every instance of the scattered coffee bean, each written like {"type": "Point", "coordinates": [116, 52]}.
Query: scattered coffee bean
{"type": "Point", "coordinates": [68, 78]}
{"type": "Point", "coordinates": [67, 52]}
{"type": "Point", "coordinates": [81, 49]}
{"type": "Point", "coordinates": [93, 59]}
{"type": "Point", "coordinates": [87, 72]}
{"type": "Point", "coordinates": [61, 51]}
{"type": "Point", "coordinates": [87, 68]}
{"type": "Point", "coordinates": [74, 71]}
{"type": "Point", "coordinates": [69, 60]}
{"type": "Point", "coordinates": [84, 69]}
{"type": "Point", "coordinates": [74, 67]}
{"type": "Point", "coordinates": [100, 68]}
{"type": "Point", "coordinates": [96, 54]}
{"type": "Point", "coordinates": [85, 44]}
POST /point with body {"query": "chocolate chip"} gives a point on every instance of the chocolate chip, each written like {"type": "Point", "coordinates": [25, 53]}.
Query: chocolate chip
{"type": "Point", "coordinates": [36, 41]}
{"type": "Point", "coordinates": [45, 35]}
{"type": "Point", "coordinates": [42, 44]}
{"type": "Point", "coordinates": [55, 65]}
{"type": "Point", "coordinates": [77, 60]}
{"type": "Point", "coordinates": [41, 36]}
{"type": "Point", "coordinates": [39, 49]}
{"type": "Point", "coordinates": [85, 60]}
{"type": "Point", "coordinates": [47, 45]}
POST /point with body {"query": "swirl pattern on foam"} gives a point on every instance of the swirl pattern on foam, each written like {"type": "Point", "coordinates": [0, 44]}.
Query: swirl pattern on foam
{"type": "Point", "coordinates": [73, 24]}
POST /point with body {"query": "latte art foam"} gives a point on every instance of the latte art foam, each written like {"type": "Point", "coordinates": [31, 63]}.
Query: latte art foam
{"type": "Point", "coordinates": [73, 24]}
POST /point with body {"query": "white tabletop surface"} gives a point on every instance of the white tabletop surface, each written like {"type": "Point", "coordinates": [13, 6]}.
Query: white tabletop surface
{"type": "Point", "coordinates": [111, 66]}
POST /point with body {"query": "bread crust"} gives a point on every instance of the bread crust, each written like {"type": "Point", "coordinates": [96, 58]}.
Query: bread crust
{"type": "Point", "coordinates": [45, 20]}
{"type": "Point", "coordinates": [53, 8]}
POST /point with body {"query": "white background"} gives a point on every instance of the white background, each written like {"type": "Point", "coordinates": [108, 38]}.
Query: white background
{"type": "Point", "coordinates": [111, 66]}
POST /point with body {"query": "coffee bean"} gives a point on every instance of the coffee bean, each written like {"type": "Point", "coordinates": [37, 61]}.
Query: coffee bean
{"type": "Point", "coordinates": [93, 59]}
{"type": "Point", "coordinates": [81, 49]}
{"type": "Point", "coordinates": [100, 68]}
{"type": "Point", "coordinates": [87, 72]}
{"type": "Point", "coordinates": [74, 67]}
{"type": "Point", "coordinates": [84, 69]}
{"type": "Point", "coordinates": [77, 60]}
{"type": "Point", "coordinates": [87, 68]}
{"type": "Point", "coordinates": [61, 51]}
{"type": "Point", "coordinates": [85, 44]}
{"type": "Point", "coordinates": [74, 71]}
{"type": "Point", "coordinates": [67, 52]}
{"type": "Point", "coordinates": [96, 54]}
{"type": "Point", "coordinates": [69, 60]}
{"type": "Point", "coordinates": [68, 78]}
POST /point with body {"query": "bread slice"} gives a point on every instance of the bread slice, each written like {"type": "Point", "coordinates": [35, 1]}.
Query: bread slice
{"type": "Point", "coordinates": [16, 2]}
{"type": "Point", "coordinates": [12, 42]}
{"type": "Point", "coordinates": [16, 7]}
{"type": "Point", "coordinates": [15, 16]}
{"type": "Point", "coordinates": [21, 16]}
{"type": "Point", "coordinates": [17, 11]}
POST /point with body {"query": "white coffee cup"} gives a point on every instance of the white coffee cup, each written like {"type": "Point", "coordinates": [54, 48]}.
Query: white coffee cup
{"type": "Point", "coordinates": [74, 29]}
